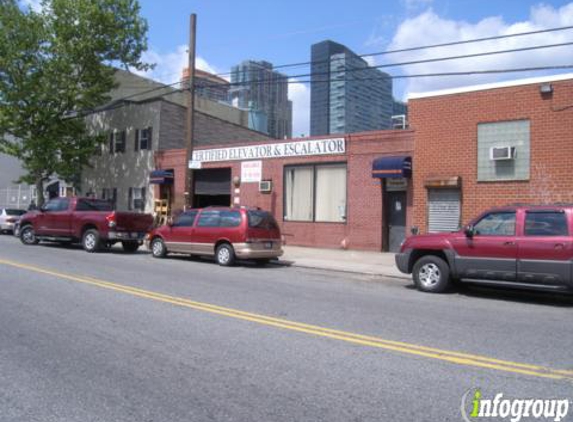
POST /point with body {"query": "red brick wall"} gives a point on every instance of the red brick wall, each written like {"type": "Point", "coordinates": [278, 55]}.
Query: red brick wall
{"type": "Point", "coordinates": [446, 145]}
{"type": "Point", "coordinates": [363, 229]}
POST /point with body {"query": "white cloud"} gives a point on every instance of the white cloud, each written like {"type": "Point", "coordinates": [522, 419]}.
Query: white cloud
{"type": "Point", "coordinates": [299, 94]}
{"type": "Point", "coordinates": [429, 28]}
{"type": "Point", "coordinates": [169, 66]}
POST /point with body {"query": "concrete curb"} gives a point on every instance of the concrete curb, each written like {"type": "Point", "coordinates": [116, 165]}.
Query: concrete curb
{"type": "Point", "coordinates": [338, 270]}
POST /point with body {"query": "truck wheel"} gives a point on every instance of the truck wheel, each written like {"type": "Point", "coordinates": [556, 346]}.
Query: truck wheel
{"type": "Point", "coordinates": [91, 241]}
{"type": "Point", "coordinates": [158, 249]}
{"type": "Point", "coordinates": [130, 247]}
{"type": "Point", "coordinates": [27, 236]}
{"type": "Point", "coordinates": [431, 274]}
{"type": "Point", "coordinates": [225, 255]}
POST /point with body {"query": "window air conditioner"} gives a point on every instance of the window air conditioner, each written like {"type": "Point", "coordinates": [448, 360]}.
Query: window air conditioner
{"type": "Point", "coordinates": [502, 153]}
{"type": "Point", "coordinates": [265, 186]}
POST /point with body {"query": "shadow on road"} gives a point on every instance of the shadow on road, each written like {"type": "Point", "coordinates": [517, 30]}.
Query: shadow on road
{"type": "Point", "coordinates": [211, 261]}
{"type": "Point", "coordinates": [561, 300]}
{"type": "Point", "coordinates": [78, 247]}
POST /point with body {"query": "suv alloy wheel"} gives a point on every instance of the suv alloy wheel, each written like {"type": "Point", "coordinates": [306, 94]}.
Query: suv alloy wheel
{"type": "Point", "coordinates": [158, 249]}
{"type": "Point", "coordinates": [431, 274]}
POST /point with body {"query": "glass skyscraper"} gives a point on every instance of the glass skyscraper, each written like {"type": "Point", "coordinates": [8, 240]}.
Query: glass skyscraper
{"type": "Point", "coordinates": [257, 87]}
{"type": "Point", "coordinates": [346, 94]}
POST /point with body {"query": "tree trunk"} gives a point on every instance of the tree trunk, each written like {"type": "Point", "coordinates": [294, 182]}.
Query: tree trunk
{"type": "Point", "coordinates": [40, 192]}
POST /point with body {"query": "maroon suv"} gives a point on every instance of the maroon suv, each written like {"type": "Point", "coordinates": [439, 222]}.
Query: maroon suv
{"type": "Point", "coordinates": [223, 232]}
{"type": "Point", "coordinates": [515, 246]}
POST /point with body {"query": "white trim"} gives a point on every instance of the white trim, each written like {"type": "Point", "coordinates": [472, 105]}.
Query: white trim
{"type": "Point", "coordinates": [483, 87]}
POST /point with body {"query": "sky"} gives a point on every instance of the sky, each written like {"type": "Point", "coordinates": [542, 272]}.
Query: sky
{"type": "Point", "coordinates": [282, 31]}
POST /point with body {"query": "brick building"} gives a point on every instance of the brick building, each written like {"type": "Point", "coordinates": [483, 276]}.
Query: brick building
{"type": "Point", "coordinates": [351, 191]}
{"type": "Point", "coordinates": [490, 145]}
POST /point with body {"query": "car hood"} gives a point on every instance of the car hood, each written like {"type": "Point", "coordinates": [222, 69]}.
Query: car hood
{"type": "Point", "coordinates": [430, 240]}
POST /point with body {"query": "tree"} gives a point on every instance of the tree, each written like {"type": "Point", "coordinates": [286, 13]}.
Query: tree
{"type": "Point", "coordinates": [55, 65]}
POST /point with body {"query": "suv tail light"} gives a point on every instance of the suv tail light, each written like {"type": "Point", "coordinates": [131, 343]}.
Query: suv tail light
{"type": "Point", "coordinates": [11, 220]}
{"type": "Point", "coordinates": [111, 220]}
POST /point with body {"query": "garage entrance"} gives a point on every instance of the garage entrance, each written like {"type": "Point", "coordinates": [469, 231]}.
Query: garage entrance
{"type": "Point", "coordinates": [212, 187]}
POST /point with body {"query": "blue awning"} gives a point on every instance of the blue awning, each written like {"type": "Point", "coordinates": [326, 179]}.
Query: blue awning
{"type": "Point", "coordinates": [392, 167]}
{"type": "Point", "coordinates": [161, 177]}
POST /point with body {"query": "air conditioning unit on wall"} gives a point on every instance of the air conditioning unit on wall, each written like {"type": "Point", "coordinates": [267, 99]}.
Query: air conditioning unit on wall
{"type": "Point", "coordinates": [265, 186]}
{"type": "Point", "coordinates": [502, 153]}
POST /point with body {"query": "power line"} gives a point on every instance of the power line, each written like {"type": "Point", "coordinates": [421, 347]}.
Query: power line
{"type": "Point", "coordinates": [465, 73]}
{"type": "Point", "coordinates": [413, 62]}
{"type": "Point", "coordinates": [425, 47]}
{"type": "Point", "coordinates": [120, 102]}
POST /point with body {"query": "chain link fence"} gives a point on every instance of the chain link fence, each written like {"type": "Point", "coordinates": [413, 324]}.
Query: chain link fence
{"type": "Point", "coordinates": [19, 196]}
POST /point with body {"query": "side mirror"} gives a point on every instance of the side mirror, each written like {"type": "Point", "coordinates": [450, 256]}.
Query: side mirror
{"type": "Point", "coordinates": [170, 221]}
{"type": "Point", "coordinates": [470, 231]}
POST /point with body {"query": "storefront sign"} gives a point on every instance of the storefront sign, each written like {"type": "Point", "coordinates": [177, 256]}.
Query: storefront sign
{"type": "Point", "coordinates": [251, 171]}
{"type": "Point", "coordinates": [288, 149]}
{"type": "Point", "coordinates": [396, 185]}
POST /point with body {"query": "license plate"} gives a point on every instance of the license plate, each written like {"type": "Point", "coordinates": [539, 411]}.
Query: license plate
{"type": "Point", "coordinates": [268, 245]}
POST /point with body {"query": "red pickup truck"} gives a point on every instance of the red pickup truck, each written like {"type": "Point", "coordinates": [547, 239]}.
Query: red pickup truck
{"type": "Point", "coordinates": [92, 222]}
{"type": "Point", "coordinates": [522, 246]}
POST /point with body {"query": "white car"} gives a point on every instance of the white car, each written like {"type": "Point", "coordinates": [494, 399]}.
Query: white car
{"type": "Point", "coordinates": [8, 217]}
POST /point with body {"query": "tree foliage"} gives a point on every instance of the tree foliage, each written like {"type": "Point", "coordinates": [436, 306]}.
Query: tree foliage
{"type": "Point", "coordinates": [55, 65]}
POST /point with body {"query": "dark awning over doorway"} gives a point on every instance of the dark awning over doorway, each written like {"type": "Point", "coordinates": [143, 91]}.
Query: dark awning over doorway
{"type": "Point", "coordinates": [392, 167]}
{"type": "Point", "coordinates": [161, 177]}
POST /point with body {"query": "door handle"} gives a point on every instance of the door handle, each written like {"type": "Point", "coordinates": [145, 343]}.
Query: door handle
{"type": "Point", "coordinates": [559, 246]}
{"type": "Point", "coordinates": [508, 243]}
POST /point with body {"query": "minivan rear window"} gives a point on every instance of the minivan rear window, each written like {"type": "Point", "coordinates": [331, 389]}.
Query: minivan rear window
{"type": "Point", "coordinates": [262, 220]}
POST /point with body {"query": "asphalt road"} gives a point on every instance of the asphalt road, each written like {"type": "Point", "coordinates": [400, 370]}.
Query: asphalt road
{"type": "Point", "coordinates": [125, 337]}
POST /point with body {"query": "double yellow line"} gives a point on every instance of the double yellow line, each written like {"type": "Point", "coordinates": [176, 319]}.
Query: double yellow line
{"type": "Point", "coordinates": [349, 337]}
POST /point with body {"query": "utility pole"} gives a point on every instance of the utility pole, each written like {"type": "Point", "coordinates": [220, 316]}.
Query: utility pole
{"type": "Point", "coordinates": [190, 111]}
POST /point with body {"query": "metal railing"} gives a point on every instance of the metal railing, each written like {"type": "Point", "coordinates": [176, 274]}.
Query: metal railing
{"type": "Point", "coordinates": [17, 196]}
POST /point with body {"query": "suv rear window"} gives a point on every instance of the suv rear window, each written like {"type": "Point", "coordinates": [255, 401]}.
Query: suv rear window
{"type": "Point", "coordinates": [545, 223]}
{"type": "Point", "coordinates": [262, 220]}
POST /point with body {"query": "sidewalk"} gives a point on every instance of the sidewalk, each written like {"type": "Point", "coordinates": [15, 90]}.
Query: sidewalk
{"type": "Point", "coordinates": [362, 262]}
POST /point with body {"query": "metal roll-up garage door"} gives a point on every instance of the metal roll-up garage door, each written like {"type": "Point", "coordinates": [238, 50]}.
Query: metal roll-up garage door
{"type": "Point", "coordinates": [444, 210]}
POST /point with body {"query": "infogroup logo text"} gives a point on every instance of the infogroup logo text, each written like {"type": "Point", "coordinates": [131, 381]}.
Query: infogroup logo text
{"type": "Point", "coordinates": [514, 410]}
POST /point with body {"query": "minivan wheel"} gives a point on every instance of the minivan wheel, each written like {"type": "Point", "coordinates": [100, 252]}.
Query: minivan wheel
{"type": "Point", "coordinates": [158, 249]}
{"type": "Point", "coordinates": [431, 274]}
{"type": "Point", "coordinates": [27, 236]}
{"type": "Point", "coordinates": [225, 255]}
{"type": "Point", "coordinates": [91, 241]}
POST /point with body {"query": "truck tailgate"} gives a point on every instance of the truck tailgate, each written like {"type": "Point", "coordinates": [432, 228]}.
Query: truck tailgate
{"type": "Point", "coordinates": [133, 222]}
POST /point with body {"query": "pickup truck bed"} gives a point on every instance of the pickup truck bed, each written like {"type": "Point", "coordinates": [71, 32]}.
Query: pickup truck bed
{"type": "Point", "coordinates": [91, 222]}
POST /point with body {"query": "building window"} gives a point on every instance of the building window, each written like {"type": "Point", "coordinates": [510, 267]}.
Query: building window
{"type": "Point", "coordinates": [315, 193]}
{"type": "Point", "coordinates": [503, 151]}
{"type": "Point", "coordinates": [136, 199]}
{"type": "Point", "coordinates": [110, 194]}
{"type": "Point", "coordinates": [117, 142]}
{"type": "Point", "coordinates": [143, 139]}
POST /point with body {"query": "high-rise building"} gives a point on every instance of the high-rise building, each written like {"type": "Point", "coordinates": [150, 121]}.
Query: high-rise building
{"type": "Point", "coordinates": [258, 88]}
{"type": "Point", "coordinates": [346, 94]}
{"type": "Point", "coordinates": [211, 86]}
